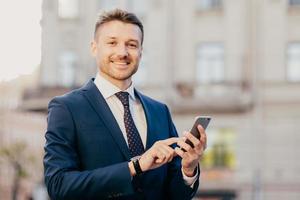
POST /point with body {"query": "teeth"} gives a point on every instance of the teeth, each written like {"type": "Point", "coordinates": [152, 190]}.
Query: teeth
{"type": "Point", "coordinates": [120, 63]}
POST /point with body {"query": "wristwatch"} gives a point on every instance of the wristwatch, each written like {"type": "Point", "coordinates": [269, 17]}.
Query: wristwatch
{"type": "Point", "coordinates": [136, 165]}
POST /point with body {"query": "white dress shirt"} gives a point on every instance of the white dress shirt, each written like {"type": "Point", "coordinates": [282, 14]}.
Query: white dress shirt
{"type": "Point", "coordinates": [108, 91]}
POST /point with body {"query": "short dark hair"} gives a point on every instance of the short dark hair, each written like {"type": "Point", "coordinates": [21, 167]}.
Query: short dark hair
{"type": "Point", "coordinates": [119, 15]}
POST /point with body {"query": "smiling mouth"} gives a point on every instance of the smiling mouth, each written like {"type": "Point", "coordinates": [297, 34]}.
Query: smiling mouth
{"type": "Point", "coordinates": [120, 63]}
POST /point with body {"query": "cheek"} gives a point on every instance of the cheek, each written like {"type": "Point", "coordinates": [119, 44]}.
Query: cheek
{"type": "Point", "coordinates": [103, 56]}
{"type": "Point", "coordinates": [137, 56]}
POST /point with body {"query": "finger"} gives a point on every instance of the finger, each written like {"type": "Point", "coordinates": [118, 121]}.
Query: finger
{"type": "Point", "coordinates": [203, 137]}
{"type": "Point", "coordinates": [170, 141]}
{"type": "Point", "coordinates": [166, 152]}
{"type": "Point", "coordinates": [158, 161]}
{"type": "Point", "coordinates": [203, 143]}
{"type": "Point", "coordinates": [161, 154]}
{"type": "Point", "coordinates": [179, 152]}
{"type": "Point", "coordinates": [160, 157]}
{"type": "Point", "coordinates": [169, 151]}
{"type": "Point", "coordinates": [202, 132]}
{"type": "Point", "coordinates": [184, 145]}
{"type": "Point", "coordinates": [193, 139]}
{"type": "Point", "coordinates": [200, 128]}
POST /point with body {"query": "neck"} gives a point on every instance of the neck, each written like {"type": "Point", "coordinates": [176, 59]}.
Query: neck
{"type": "Point", "coordinates": [121, 84]}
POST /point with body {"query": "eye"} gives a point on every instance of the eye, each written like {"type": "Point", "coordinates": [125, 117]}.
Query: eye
{"type": "Point", "coordinates": [112, 43]}
{"type": "Point", "coordinates": [132, 45]}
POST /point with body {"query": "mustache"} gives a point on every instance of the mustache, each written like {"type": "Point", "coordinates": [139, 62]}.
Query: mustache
{"type": "Point", "coordinates": [121, 59]}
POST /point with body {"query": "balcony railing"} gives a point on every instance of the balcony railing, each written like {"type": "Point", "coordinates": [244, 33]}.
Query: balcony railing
{"type": "Point", "coordinates": [37, 99]}
{"type": "Point", "coordinates": [216, 97]}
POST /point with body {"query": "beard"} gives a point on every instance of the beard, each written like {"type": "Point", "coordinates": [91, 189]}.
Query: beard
{"type": "Point", "coordinates": [118, 74]}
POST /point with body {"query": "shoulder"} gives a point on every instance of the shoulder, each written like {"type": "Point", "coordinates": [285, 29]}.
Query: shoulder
{"type": "Point", "coordinates": [67, 98]}
{"type": "Point", "coordinates": [70, 99]}
{"type": "Point", "coordinates": [153, 103]}
{"type": "Point", "coordinates": [148, 99]}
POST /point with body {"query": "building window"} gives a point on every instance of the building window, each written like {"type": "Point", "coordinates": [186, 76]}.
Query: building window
{"type": "Point", "coordinates": [210, 63]}
{"type": "Point", "coordinates": [68, 9]}
{"type": "Point", "coordinates": [209, 4]}
{"type": "Point", "coordinates": [294, 2]}
{"type": "Point", "coordinates": [293, 62]}
{"type": "Point", "coordinates": [67, 69]}
{"type": "Point", "coordinates": [221, 149]}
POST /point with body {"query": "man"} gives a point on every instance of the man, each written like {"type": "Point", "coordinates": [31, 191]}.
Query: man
{"type": "Point", "coordinates": [106, 140]}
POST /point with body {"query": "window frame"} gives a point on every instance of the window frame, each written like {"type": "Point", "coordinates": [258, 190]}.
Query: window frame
{"type": "Point", "coordinates": [212, 80]}
{"type": "Point", "coordinates": [287, 60]}
{"type": "Point", "coordinates": [213, 5]}
{"type": "Point", "coordinates": [67, 61]}
{"type": "Point", "coordinates": [294, 3]}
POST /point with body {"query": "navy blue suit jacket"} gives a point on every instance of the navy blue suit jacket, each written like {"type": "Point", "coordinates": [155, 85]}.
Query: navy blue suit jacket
{"type": "Point", "coordinates": [86, 156]}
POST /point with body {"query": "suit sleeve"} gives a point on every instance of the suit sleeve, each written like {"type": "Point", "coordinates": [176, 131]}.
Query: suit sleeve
{"type": "Point", "coordinates": [177, 188]}
{"type": "Point", "coordinates": [63, 177]}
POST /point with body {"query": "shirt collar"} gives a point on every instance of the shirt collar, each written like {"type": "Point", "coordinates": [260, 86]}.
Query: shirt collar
{"type": "Point", "coordinates": [108, 89]}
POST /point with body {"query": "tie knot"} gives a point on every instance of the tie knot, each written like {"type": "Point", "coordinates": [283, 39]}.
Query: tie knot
{"type": "Point", "coordinates": [123, 97]}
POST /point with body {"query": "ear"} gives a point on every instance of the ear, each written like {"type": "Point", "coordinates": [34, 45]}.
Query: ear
{"type": "Point", "coordinates": [93, 48]}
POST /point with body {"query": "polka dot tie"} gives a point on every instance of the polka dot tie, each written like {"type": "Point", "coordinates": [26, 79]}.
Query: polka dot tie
{"type": "Point", "coordinates": [135, 143]}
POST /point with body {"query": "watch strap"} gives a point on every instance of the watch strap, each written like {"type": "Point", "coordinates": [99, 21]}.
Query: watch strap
{"type": "Point", "coordinates": [137, 167]}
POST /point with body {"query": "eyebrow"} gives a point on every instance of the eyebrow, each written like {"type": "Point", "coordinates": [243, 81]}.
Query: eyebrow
{"type": "Point", "coordinates": [133, 40]}
{"type": "Point", "coordinates": [130, 40]}
{"type": "Point", "coordinates": [111, 38]}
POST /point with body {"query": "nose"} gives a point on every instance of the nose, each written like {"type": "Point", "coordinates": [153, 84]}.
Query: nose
{"type": "Point", "coordinates": [122, 51]}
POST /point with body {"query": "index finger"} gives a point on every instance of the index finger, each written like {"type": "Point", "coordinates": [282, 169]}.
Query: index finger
{"type": "Point", "coordinates": [170, 141]}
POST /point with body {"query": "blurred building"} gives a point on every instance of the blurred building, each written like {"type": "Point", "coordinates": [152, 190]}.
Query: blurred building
{"type": "Point", "coordinates": [236, 60]}
{"type": "Point", "coordinates": [20, 128]}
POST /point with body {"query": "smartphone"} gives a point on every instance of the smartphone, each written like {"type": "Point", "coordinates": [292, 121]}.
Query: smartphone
{"type": "Point", "coordinates": [203, 121]}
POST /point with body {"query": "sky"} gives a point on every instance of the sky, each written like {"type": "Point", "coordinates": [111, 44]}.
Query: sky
{"type": "Point", "coordinates": [20, 37]}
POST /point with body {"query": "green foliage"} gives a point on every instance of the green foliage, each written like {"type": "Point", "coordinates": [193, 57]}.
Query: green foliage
{"type": "Point", "coordinates": [16, 155]}
{"type": "Point", "coordinates": [221, 154]}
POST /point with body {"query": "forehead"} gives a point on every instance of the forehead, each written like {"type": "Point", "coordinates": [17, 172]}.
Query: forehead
{"type": "Point", "coordinates": [119, 30]}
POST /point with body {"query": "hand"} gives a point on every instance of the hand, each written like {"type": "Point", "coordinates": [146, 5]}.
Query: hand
{"type": "Point", "coordinates": [191, 156]}
{"type": "Point", "coordinates": [160, 153]}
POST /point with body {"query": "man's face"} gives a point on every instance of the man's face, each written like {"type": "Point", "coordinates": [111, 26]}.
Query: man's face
{"type": "Point", "coordinates": [117, 49]}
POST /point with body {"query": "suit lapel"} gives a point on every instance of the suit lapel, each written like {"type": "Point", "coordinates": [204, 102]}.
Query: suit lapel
{"type": "Point", "coordinates": [99, 104]}
{"type": "Point", "coordinates": [151, 135]}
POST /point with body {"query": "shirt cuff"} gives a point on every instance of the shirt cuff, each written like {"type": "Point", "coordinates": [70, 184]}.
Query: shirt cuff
{"type": "Point", "coordinates": [189, 180]}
